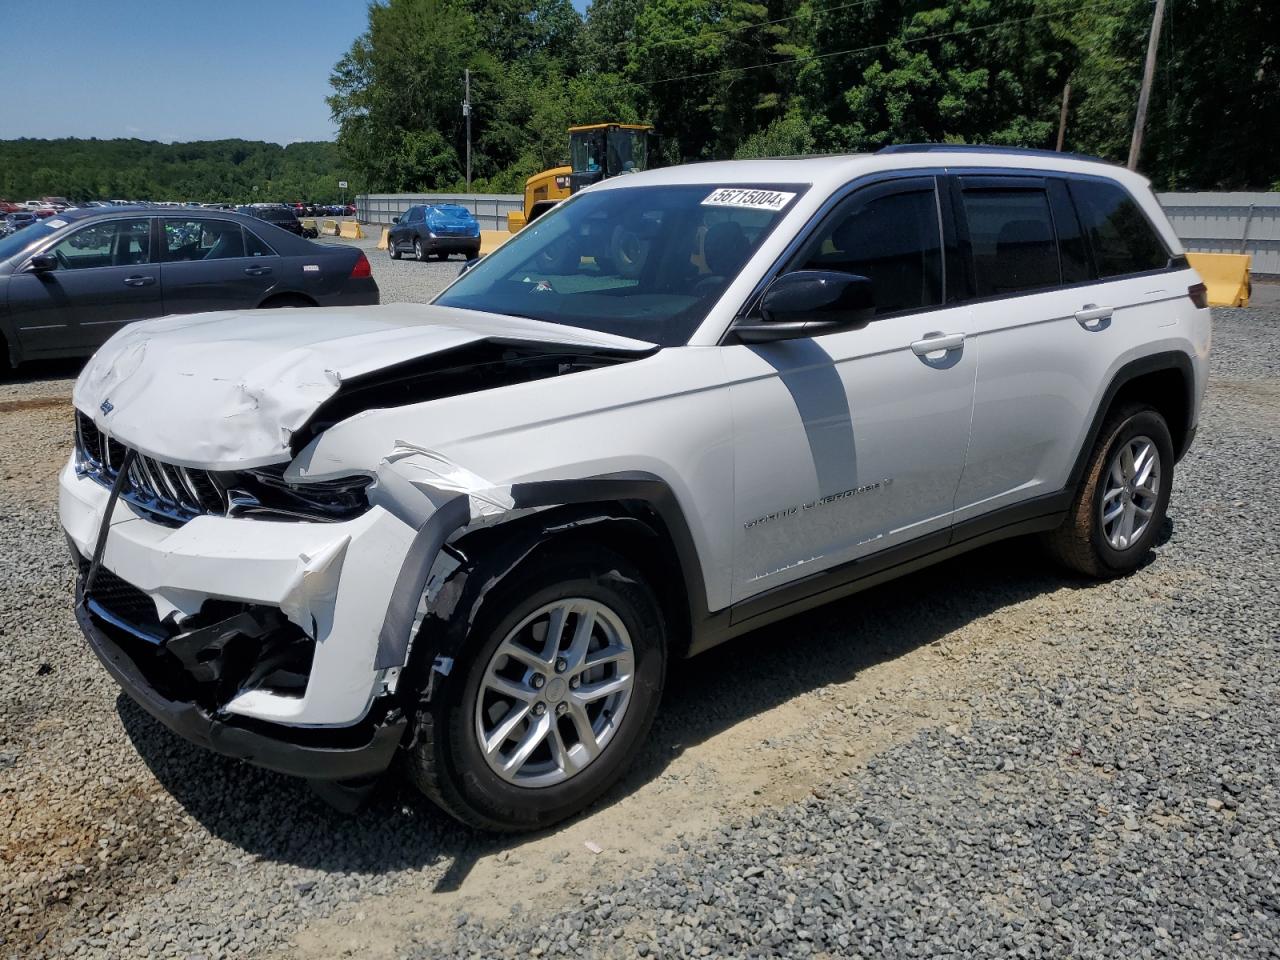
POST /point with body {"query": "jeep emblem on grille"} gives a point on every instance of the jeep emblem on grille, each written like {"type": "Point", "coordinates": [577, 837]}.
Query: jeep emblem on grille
{"type": "Point", "coordinates": [106, 407]}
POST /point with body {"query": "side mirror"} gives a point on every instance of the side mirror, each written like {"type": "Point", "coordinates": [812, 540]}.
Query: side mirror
{"type": "Point", "coordinates": [395, 219]}
{"type": "Point", "coordinates": [469, 264]}
{"type": "Point", "coordinates": [43, 263]}
{"type": "Point", "coordinates": [807, 303]}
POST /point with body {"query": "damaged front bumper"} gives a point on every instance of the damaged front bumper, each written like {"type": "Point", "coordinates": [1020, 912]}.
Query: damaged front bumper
{"type": "Point", "coordinates": [316, 754]}
{"type": "Point", "coordinates": [256, 639]}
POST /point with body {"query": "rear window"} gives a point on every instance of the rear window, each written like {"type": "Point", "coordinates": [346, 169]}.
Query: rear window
{"type": "Point", "coordinates": [1121, 237]}
{"type": "Point", "coordinates": [276, 213]}
{"type": "Point", "coordinates": [1012, 238]}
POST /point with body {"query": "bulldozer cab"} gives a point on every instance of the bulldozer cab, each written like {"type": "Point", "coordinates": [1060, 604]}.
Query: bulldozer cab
{"type": "Point", "coordinates": [608, 150]}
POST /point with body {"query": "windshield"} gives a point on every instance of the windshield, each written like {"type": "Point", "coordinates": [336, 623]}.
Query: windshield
{"type": "Point", "coordinates": [15, 243]}
{"type": "Point", "coordinates": [640, 262]}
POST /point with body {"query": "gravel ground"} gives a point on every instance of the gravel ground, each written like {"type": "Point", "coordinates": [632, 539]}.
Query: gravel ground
{"type": "Point", "coordinates": [985, 759]}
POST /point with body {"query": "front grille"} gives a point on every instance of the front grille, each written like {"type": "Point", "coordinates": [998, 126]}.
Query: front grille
{"type": "Point", "coordinates": [167, 492]}
{"type": "Point", "coordinates": [123, 604]}
{"type": "Point", "coordinates": [124, 600]}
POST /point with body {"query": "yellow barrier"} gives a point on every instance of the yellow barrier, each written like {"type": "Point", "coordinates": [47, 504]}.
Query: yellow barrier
{"type": "Point", "coordinates": [308, 224]}
{"type": "Point", "coordinates": [329, 228]}
{"type": "Point", "coordinates": [491, 240]}
{"type": "Point", "coordinates": [385, 240]}
{"type": "Point", "coordinates": [350, 230]}
{"type": "Point", "coordinates": [1226, 275]}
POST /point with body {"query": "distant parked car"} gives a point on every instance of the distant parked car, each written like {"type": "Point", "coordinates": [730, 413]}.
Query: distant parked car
{"type": "Point", "coordinates": [8, 206]}
{"type": "Point", "coordinates": [13, 222]}
{"type": "Point", "coordinates": [435, 230]}
{"type": "Point", "coordinates": [282, 216]}
{"type": "Point", "coordinates": [70, 283]}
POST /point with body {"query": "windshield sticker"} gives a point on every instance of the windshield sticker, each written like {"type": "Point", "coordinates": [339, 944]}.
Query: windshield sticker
{"type": "Point", "coordinates": [56, 223]}
{"type": "Point", "coordinates": [311, 268]}
{"type": "Point", "coordinates": [773, 200]}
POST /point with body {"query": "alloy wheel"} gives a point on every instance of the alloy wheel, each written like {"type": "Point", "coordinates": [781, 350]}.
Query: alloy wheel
{"type": "Point", "coordinates": [1130, 492]}
{"type": "Point", "coordinates": [554, 692]}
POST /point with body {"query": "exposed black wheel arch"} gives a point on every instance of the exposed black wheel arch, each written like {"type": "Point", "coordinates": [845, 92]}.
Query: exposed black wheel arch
{"type": "Point", "coordinates": [635, 515]}
{"type": "Point", "coordinates": [287, 300]}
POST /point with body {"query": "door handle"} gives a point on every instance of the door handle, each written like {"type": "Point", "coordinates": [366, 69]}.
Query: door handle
{"type": "Point", "coordinates": [1093, 317]}
{"type": "Point", "coordinates": [934, 342]}
{"type": "Point", "coordinates": [257, 271]}
{"type": "Point", "coordinates": [138, 281]}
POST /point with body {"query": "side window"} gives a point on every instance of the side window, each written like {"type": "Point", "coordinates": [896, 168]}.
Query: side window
{"type": "Point", "coordinates": [892, 239]}
{"type": "Point", "coordinates": [199, 239]}
{"type": "Point", "coordinates": [1012, 240]}
{"type": "Point", "coordinates": [115, 243]}
{"type": "Point", "coordinates": [1121, 237]}
{"type": "Point", "coordinates": [254, 246]}
{"type": "Point", "coordinates": [415, 215]}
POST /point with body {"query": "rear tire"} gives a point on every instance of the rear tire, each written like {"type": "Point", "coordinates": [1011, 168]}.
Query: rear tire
{"type": "Point", "coordinates": [580, 747]}
{"type": "Point", "coordinates": [1127, 482]}
{"type": "Point", "coordinates": [418, 252]}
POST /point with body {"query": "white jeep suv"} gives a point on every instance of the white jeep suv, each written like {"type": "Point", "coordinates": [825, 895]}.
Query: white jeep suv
{"type": "Point", "coordinates": [686, 403]}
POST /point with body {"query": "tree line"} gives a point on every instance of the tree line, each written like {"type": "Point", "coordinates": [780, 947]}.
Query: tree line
{"type": "Point", "coordinates": [207, 171]}
{"type": "Point", "coordinates": [746, 78]}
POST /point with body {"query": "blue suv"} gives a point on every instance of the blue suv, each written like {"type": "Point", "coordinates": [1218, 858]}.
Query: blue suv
{"type": "Point", "coordinates": [436, 229]}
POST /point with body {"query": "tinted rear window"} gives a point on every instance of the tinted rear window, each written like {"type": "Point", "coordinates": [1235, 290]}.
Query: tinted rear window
{"type": "Point", "coordinates": [1121, 237]}
{"type": "Point", "coordinates": [1012, 238]}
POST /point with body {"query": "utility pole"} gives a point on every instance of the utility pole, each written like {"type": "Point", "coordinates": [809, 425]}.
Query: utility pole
{"type": "Point", "coordinates": [466, 112]}
{"type": "Point", "coordinates": [1062, 117]}
{"type": "Point", "coordinates": [1144, 97]}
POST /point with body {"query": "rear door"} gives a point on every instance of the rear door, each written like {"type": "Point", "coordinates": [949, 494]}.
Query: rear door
{"type": "Point", "coordinates": [214, 264]}
{"type": "Point", "coordinates": [106, 277]}
{"type": "Point", "coordinates": [1048, 326]}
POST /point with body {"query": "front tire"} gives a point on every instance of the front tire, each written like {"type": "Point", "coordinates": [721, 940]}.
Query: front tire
{"type": "Point", "coordinates": [1121, 504]}
{"type": "Point", "coordinates": [393, 250]}
{"type": "Point", "coordinates": [548, 704]}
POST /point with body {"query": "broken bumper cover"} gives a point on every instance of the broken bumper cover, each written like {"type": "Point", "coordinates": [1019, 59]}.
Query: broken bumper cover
{"type": "Point", "coordinates": [261, 744]}
{"type": "Point", "coordinates": [332, 581]}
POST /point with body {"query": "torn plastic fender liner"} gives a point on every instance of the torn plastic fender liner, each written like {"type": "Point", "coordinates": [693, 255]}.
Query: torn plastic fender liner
{"type": "Point", "coordinates": [458, 592]}
{"type": "Point", "coordinates": [430, 492]}
{"type": "Point", "coordinates": [455, 513]}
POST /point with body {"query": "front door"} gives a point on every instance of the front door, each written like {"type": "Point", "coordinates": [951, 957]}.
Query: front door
{"type": "Point", "coordinates": [105, 278]}
{"type": "Point", "coordinates": [852, 443]}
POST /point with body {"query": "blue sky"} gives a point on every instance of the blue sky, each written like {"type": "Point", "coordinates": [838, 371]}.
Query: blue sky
{"type": "Point", "coordinates": [173, 69]}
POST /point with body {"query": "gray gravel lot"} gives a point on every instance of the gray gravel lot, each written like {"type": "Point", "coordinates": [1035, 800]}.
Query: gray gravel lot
{"type": "Point", "coordinates": [985, 759]}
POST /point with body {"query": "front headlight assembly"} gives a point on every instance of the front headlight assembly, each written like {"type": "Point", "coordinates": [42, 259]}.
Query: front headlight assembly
{"type": "Point", "coordinates": [264, 494]}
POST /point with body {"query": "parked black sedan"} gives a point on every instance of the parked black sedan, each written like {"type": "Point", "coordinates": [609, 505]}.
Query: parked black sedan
{"type": "Point", "coordinates": [69, 282]}
{"type": "Point", "coordinates": [276, 213]}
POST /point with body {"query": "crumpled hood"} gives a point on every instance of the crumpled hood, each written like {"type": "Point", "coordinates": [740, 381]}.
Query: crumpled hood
{"type": "Point", "coordinates": [228, 390]}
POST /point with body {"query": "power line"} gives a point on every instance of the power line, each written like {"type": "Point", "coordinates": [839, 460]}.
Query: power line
{"type": "Point", "coordinates": [868, 49]}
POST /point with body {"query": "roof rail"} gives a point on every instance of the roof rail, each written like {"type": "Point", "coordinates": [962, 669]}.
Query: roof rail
{"type": "Point", "coordinates": [980, 148]}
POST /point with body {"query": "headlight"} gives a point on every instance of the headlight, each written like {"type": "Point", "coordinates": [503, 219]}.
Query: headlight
{"type": "Point", "coordinates": [266, 495]}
